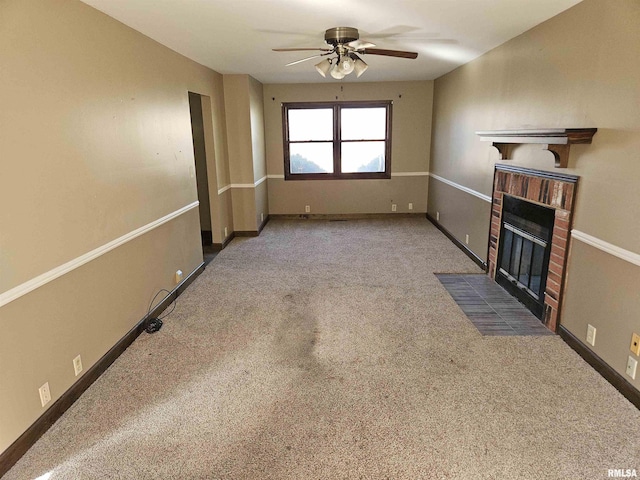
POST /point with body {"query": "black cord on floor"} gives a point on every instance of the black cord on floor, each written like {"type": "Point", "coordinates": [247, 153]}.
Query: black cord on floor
{"type": "Point", "coordinates": [152, 325]}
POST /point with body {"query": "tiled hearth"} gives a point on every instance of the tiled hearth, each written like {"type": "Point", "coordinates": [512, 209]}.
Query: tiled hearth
{"type": "Point", "coordinates": [489, 307]}
{"type": "Point", "coordinates": [556, 191]}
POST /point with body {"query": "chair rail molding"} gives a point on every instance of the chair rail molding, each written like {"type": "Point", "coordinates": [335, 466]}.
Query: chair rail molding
{"type": "Point", "coordinates": [46, 277]}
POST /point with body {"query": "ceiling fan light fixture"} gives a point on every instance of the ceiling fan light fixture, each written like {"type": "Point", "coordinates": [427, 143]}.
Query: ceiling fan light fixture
{"type": "Point", "coordinates": [346, 45]}
{"type": "Point", "coordinates": [336, 72]}
{"type": "Point", "coordinates": [360, 66]}
{"type": "Point", "coordinates": [347, 64]}
{"type": "Point", "coordinates": [323, 67]}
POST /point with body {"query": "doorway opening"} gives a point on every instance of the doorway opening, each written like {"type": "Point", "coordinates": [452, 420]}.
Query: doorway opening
{"type": "Point", "coordinates": [202, 177]}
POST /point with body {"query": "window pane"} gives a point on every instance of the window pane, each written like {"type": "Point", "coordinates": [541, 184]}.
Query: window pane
{"type": "Point", "coordinates": [363, 123]}
{"type": "Point", "coordinates": [362, 157]}
{"type": "Point", "coordinates": [311, 157]}
{"type": "Point", "coordinates": [311, 124]}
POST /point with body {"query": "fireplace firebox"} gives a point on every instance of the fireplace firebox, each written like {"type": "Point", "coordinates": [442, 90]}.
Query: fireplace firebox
{"type": "Point", "coordinates": [523, 254]}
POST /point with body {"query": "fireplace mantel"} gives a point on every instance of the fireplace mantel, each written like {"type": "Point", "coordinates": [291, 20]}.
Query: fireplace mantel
{"type": "Point", "coordinates": [558, 140]}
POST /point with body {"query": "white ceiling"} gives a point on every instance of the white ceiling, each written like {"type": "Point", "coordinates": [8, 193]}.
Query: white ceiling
{"type": "Point", "coordinates": [236, 36]}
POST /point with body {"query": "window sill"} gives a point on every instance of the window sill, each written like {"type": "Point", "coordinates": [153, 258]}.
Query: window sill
{"type": "Point", "coordinates": [338, 176]}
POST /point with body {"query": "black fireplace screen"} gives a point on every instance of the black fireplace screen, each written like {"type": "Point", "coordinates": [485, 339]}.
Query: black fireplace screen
{"type": "Point", "coordinates": [523, 255]}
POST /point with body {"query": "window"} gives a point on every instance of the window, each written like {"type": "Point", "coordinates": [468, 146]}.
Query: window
{"type": "Point", "coordinates": [338, 140]}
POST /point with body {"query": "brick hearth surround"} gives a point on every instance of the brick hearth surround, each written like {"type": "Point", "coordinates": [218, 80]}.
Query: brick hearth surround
{"type": "Point", "coordinates": [550, 190]}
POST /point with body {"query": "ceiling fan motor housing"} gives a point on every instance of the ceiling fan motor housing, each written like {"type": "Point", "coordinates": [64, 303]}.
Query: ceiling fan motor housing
{"type": "Point", "coordinates": [341, 35]}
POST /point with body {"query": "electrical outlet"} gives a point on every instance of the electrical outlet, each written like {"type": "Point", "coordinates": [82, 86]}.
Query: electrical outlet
{"type": "Point", "coordinates": [225, 232]}
{"type": "Point", "coordinates": [437, 216]}
{"type": "Point", "coordinates": [411, 206]}
{"type": "Point", "coordinates": [178, 276]}
{"type": "Point", "coordinates": [632, 365]}
{"type": "Point", "coordinates": [635, 344]}
{"type": "Point", "coordinates": [77, 365]}
{"type": "Point", "coordinates": [45, 394]}
{"type": "Point", "coordinates": [261, 217]}
{"type": "Point", "coordinates": [466, 239]}
{"type": "Point", "coordinates": [307, 208]}
{"type": "Point", "coordinates": [394, 207]}
{"type": "Point", "coordinates": [591, 335]}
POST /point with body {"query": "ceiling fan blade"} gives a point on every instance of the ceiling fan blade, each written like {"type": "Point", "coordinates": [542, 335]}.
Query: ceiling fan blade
{"type": "Point", "coordinates": [392, 31]}
{"type": "Point", "coordinates": [308, 58]}
{"type": "Point", "coordinates": [301, 49]}
{"type": "Point", "coordinates": [389, 53]}
{"type": "Point", "coordinates": [360, 44]}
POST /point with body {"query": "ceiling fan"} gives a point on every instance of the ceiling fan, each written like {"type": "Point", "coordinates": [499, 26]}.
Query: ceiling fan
{"type": "Point", "coordinates": [346, 44]}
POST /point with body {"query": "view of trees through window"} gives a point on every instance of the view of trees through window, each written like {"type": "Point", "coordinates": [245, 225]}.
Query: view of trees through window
{"type": "Point", "coordinates": [300, 164]}
{"type": "Point", "coordinates": [342, 140]}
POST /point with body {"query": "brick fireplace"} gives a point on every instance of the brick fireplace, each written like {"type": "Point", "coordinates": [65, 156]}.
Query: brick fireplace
{"type": "Point", "coordinates": [541, 188]}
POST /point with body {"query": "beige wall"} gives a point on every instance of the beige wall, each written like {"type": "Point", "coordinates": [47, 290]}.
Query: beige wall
{"type": "Point", "coordinates": [96, 143]}
{"type": "Point", "coordinates": [262, 203]}
{"type": "Point", "coordinates": [256, 113]}
{"type": "Point", "coordinates": [217, 162]}
{"type": "Point", "coordinates": [226, 223]}
{"type": "Point", "coordinates": [347, 197]}
{"type": "Point", "coordinates": [576, 70]}
{"type": "Point", "coordinates": [237, 108]}
{"type": "Point", "coordinates": [244, 209]}
{"type": "Point", "coordinates": [256, 102]}
{"type": "Point", "coordinates": [217, 168]}
{"type": "Point", "coordinates": [245, 141]}
{"type": "Point", "coordinates": [412, 104]}
{"type": "Point", "coordinates": [84, 312]}
{"type": "Point", "coordinates": [444, 205]}
{"type": "Point", "coordinates": [603, 290]}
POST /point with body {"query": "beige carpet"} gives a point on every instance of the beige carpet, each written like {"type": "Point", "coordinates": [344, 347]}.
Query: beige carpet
{"type": "Point", "coordinates": [324, 350]}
